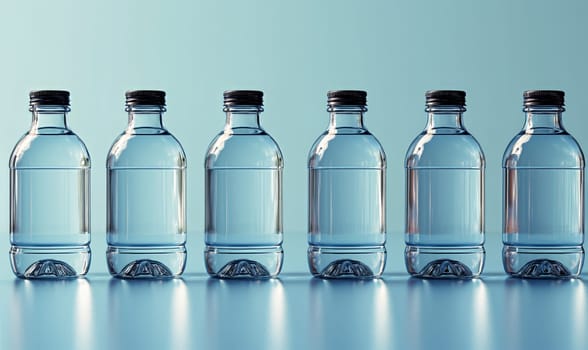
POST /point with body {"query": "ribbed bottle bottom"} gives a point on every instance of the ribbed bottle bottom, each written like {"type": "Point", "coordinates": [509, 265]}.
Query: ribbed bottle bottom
{"type": "Point", "coordinates": [444, 262]}
{"type": "Point", "coordinates": [243, 262]}
{"type": "Point", "coordinates": [142, 262]}
{"type": "Point", "coordinates": [346, 262]}
{"type": "Point", "coordinates": [543, 262]}
{"type": "Point", "coordinates": [50, 262]}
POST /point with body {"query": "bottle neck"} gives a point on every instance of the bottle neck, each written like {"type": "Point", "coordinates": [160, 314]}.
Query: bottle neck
{"type": "Point", "coordinates": [346, 117]}
{"type": "Point", "coordinates": [49, 117]}
{"type": "Point", "coordinates": [145, 116]}
{"type": "Point", "coordinates": [445, 117]}
{"type": "Point", "coordinates": [242, 117]}
{"type": "Point", "coordinates": [543, 118]}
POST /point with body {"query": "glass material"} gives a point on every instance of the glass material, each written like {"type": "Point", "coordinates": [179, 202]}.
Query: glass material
{"type": "Point", "coordinates": [543, 222]}
{"type": "Point", "coordinates": [347, 194]}
{"type": "Point", "coordinates": [243, 172]}
{"type": "Point", "coordinates": [445, 194]}
{"type": "Point", "coordinates": [146, 187]}
{"type": "Point", "coordinates": [50, 194]}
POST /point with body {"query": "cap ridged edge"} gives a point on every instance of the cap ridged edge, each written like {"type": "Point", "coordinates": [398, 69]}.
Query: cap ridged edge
{"type": "Point", "coordinates": [347, 98]}
{"type": "Point", "coordinates": [243, 97]}
{"type": "Point", "coordinates": [145, 97]}
{"type": "Point", "coordinates": [544, 98]}
{"type": "Point", "coordinates": [49, 97]}
{"type": "Point", "coordinates": [445, 97]}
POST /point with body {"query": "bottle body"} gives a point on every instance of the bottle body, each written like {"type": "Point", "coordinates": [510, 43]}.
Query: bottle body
{"type": "Point", "coordinates": [146, 198]}
{"type": "Point", "coordinates": [243, 195]}
{"type": "Point", "coordinates": [347, 196]}
{"type": "Point", "coordinates": [445, 196]}
{"type": "Point", "coordinates": [50, 195]}
{"type": "Point", "coordinates": [543, 216]}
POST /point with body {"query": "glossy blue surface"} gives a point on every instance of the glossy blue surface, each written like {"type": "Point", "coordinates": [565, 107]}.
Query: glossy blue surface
{"type": "Point", "coordinates": [294, 311]}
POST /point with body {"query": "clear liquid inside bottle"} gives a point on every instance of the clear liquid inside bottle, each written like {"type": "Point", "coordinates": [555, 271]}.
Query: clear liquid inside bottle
{"type": "Point", "coordinates": [243, 175]}
{"type": "Point", "coordinates": [50, 196]}
{"type": "Point", "coordinates": [347, 197]}
{"type": "Point", "coordinates": [444, 197]}
{"type": "Point", "coordinates": [146, 223]}
{"type": "Point", "coordinates": [543, 176]}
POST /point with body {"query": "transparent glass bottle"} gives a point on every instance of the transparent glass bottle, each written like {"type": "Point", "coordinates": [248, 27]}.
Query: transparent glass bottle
{"type": "Point", "coordinates": [445, 167]}
{"type": "Point", "coordinates": [146, 189]}
{"type": "Point", "coordinates": [50, 194]}
{"type": "Point", "coordinates": [347, 194]}
{"type": "Point", "coordinates": [543, 177]}
{"type": "Point", "coordinates": [243, 165]}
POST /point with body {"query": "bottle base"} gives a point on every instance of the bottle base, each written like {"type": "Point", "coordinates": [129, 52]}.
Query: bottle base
{"type": "Point", "coordinates": [543, 262]}
{"type": "Point", "coordinates": [243, 262]}
{"type": "Point", "coordinates": [444, 262]}
{"type": "Point", "coordinates": [346, 262]}
{"type": "Point", "coordinates": [146, 262]}
{"type": "Point", "coordinates": [50, 262]}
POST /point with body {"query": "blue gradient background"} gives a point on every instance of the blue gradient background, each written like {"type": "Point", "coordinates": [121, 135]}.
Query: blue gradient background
{"type": "Point", "coordinates": [294, 51]}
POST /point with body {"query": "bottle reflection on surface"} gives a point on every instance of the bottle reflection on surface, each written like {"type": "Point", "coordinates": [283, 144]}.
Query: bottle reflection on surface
{"type": "Point", "coordinates": [350, 314]}
{"type": "Point", "coordinates": [50, 315]}
{"type": "Point", "coordinates": [148, 314]}
{"type": "Point", "coordinates": [545, 314]}
{"type": "Point", "coordinates": [245, 314]}
{"type": "Point", "coordinates": [428, 325]}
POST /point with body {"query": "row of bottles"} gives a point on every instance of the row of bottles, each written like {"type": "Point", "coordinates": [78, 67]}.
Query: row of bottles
{"type": "Point", "coordinates": [543, 219]}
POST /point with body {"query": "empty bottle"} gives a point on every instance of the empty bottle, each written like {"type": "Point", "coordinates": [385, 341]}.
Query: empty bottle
{"type": "Point", "coordinates": [50, 194]}
{"type": "Point", "coordinates": [445, 194]}
{"type": "Point", "coordinates": [543, 217]}
{"type": "Point", "coordinates": [243, 165]}
{"type": "Point", "coordinates": [146, 189]}
{"type": "Point", "coordinates": [347, 194]}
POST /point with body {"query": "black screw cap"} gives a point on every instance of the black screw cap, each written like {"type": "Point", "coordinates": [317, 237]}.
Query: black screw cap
{"type": "Point", "coordinates": [243, 97]}
{"type": "Point", "coordinates": [543, 98]}
{"type": "Point", "coordinates": [49, 97]}
{"type": "Point", "coordinates": [347, 98]}
{"type": "Point", "coordinates": [445, 97]}
{"type": "Point", "coordinates": [145, 97]}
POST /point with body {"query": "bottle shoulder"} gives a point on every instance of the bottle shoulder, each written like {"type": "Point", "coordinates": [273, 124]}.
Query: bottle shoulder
{"type": "Point", "coordinates": [146, 150]}
{"type": "Point", "coordinates": [347, 149]}
{"type": "Point", "coordinates": [445, 150]}
{"type": "Point", "coordinates": [253, 148]}
{"type": "Point", "coordinates": [543, 150]}
{"type": "Point", "coordinates": [63, 149]}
